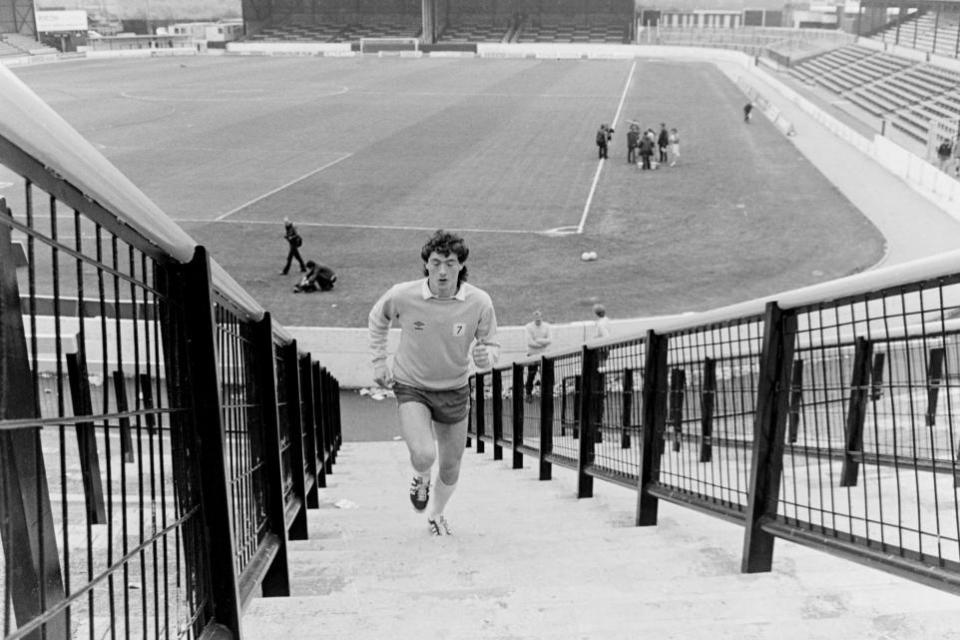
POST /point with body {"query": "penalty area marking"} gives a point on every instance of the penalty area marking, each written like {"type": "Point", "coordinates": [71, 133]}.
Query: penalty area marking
{"type": "Point", "coordinates": [234, 95]}
{"type": "Point", "coordinates": [557, 232]}
{"type": "Point", "coordinates": [280, 188]}
{"type": "Point", "coordinates": [375, 227]}
{"type": "Point", "coordinates": [596, 175]}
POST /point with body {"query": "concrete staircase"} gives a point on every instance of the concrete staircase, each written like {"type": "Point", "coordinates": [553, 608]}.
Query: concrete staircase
{"type": "Point", "coordinates": [530, 560]}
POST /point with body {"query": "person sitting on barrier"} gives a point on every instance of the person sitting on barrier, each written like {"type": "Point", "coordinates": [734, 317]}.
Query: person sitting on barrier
{"type": "Point", "coordinates": [538, 339]}
{"type": "Point", "coordinates": [944, 151]}
{"type": "Point", "coordinates": [317, 278]}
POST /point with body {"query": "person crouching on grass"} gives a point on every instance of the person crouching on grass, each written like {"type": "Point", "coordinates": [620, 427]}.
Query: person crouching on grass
{"type": "Point", "coordinates": [443, 321]}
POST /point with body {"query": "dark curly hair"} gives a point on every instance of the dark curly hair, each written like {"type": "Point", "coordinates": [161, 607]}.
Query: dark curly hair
{"type": "Point", "coordinates": [445, 243]}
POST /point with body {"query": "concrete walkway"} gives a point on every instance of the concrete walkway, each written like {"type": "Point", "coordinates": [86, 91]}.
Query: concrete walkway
{"type": "Point", "coordinates": [528, 560]}
{"type": "Point", "coordinates": [914, 227]}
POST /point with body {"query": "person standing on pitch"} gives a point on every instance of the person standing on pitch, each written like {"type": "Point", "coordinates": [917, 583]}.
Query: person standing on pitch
{"type": "Point", "coordinates": [295, 241]}
{"type": "Point", "coordinates": [662, 141]}
{"type": "Point", "coordinates": [443, 321]}
{"type": "Point", "coordinates": [674, 146]}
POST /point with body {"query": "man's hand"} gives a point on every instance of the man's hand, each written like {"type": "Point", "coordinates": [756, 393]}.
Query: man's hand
{"type": "Point", "coordinates": [383, 377]}
{"type": "Point", "coordinates": [481, 355]}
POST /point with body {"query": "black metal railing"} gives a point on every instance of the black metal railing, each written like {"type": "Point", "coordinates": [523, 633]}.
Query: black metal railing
{"type": "Point", "coordinates": [160, 437]}
{"type": "Point", "coordinates": [826, 416]}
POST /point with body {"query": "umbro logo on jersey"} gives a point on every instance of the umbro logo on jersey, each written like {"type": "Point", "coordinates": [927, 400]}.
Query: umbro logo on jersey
{"type": "Point", "coordinates": [419, 325]}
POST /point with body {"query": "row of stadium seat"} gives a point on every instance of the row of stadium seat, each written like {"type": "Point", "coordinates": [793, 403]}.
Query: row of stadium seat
{"type": "Point", "coordinates": [925, 31]}
{"type": "Point", "coordinates": [907, 93]}
{"type": "Point", "coordinates": [15, 44]}
{"type": "Point", "coordinates": [573, 31]}
{"type": "Point", "coordinates": [333, 32]}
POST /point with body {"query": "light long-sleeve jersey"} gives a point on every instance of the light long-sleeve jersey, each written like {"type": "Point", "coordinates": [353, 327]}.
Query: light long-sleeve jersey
{"type": "Point", "coordinates": [435, 333]}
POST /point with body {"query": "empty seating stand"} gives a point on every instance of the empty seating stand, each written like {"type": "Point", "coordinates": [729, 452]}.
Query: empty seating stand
{"type": "Point", "coordinates": [819, 67]}
{"type": "Point", "coordinates": [300, 33]}
{"type": "Point", "coordinates": [915, 121]}
{"type": "Point", "coordinates": [898, 91]}
{"type": "Point", "coordinates": [473, 30]}
{"type": "Point", "coordinates": [15, 44]}
{"type": "Point", "coordinates": [378, 30]}
{"type": "Point", "coordinates": [926, 31]}
{"type": "Point", "coordinates": [558, 30]}
{"type": "Point", "coordinates": [333, 32]}
{"type": "Point", "coordinates": [906, 93]}
{"type": "Point", "coordinates": [8, 50]}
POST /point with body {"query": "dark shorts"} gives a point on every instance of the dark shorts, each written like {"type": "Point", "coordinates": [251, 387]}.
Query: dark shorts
{"type": "Point", "coordinates": [446, 405]}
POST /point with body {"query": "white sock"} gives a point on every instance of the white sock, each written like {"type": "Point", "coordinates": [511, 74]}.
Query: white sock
{"type": "Point", "coordinates": [423, 475]}
{"type": "Point", "coordinates": [439, 496]}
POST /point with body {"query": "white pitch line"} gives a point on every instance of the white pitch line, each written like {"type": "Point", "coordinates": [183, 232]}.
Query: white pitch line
{"type": "Point", "coordinates": [280, 188]}
{"type": "Point", "coordinates": [596, 176]}
{"type": "Point", "coordinates": [378, 227]}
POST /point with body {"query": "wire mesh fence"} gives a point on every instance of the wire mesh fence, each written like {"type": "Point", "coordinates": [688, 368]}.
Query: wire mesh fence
{"type": "Point", "coordinates": [826, 417]}
{"type": "Point", "coordinates": [91, 470]}
{"type": "Point", "coordinates": [138, 413]}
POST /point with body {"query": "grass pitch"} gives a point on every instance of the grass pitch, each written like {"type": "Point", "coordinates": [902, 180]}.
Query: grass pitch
{"type": "Point", "coordinates": [370, 155]}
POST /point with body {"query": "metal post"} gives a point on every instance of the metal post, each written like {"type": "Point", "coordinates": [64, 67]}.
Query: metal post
{"type": "Point", "coordinates": [481, 411]}
{"type": "Point", "coordinates": [320, 433]}
{"type": "Point", "coordinates": [199, 376]}
{"type": "Point", "coordinates": [856, 412]}
{"type": "Point", "coordinates": [497, 414]}
{"type": "Point", "coordinates": [86, 439]}
{"type": "Point", "coordinates": [654, 403]}
{"type": "Point", "coordinates": [768, 440]}
{"type": "Point", "coordinates": [796, 400]}
{"type": "Point", "coordinates": [708, 396]}
{"type": "Point", "coordinates": [26, 517]}
{"type": "Point", "coordinates": [120, 392]}
{"type": "Point", "coordinates": [298, 470]}
{"type": "Point", "coordinates": [626, 417]}
{"type": "Point", "coordinates": [276, 581]}
{"type": "Point", "coordinates": [934, 380]}
{"type": "Point", "coordinates": [585, 457]}
{"type": "Point", "coordinates": [678, 387]}
{"type": "Point", "coordinates": [308, 420]}
{"type": "Point", "coordinates": [546, 418]}
{"type": "Point", "coordinates": [517, 438]}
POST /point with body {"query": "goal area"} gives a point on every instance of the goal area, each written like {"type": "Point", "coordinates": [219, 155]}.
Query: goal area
{"type": "Point", "coordinates": [390, 46]}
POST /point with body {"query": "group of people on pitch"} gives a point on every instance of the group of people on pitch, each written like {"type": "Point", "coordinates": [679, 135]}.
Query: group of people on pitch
{"type": "Point", "coordinates": [649, 146]}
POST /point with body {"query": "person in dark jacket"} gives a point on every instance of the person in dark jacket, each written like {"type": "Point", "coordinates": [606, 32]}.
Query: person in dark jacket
{"type": "Point", "coordinates": [633, 138]}
{"type": "Point", "coordinates": [317, 278]}
{"type": "Point", "coordinates": [647, 143]}
{"type": "Point", "coordinates": [662, 141]}
{"type": "Point", "coordinates": [295, 241]}
{"type": "Point", "coordinates": [604, 133]}
{"type": "Point", "coordinates": [747, 111]}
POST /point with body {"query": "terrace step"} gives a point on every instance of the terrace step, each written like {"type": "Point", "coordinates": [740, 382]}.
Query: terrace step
{"type": "Point", "coordinates": [530, 560]}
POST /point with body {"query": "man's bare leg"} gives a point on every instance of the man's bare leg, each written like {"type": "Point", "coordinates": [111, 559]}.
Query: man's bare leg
{"type": "Point", "coordinates": [416, 427]}
{"type": "Point", "coordinates": [451, 443]}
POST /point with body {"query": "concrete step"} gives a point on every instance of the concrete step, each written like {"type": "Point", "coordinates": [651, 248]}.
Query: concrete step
{"type": "Point", "coordinates": [529, 560]}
